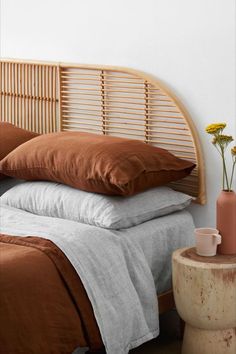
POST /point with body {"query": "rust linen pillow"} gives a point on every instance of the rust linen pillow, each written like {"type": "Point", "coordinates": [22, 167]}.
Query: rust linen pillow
{"type": "Point", "coordinates": [11, 137]}
{"type": "Point", "coordinates": [95, 163]}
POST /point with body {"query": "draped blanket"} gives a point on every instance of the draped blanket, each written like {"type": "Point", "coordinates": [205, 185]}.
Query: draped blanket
{"type": "Point", "coordinates": [44, 307]}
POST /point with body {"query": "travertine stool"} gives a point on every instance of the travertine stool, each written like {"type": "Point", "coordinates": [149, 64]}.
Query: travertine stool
{"type": "Point", "coordinates": [205, 297]}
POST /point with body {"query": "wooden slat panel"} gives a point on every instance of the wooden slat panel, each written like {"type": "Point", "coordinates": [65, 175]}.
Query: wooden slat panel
{"type": "Point", "coordinates": [26, 98]}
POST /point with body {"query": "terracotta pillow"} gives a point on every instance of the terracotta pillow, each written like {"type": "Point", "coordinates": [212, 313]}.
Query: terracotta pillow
{"type": "Point", "coordinates": [11, 137]}
{"type": "Point", "coordinates": [95, 163]}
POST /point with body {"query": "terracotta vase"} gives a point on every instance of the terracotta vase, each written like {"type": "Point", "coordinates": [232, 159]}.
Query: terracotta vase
{"type": "Point", "coordinates": [226, 221]}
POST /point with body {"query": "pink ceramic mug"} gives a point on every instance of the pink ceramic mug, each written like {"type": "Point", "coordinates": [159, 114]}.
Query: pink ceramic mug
{"type": "Point", "coordinates": [207, 240]}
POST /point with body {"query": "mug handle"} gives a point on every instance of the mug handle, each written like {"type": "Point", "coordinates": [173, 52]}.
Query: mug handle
{"type": "Point", "coordinates": [218, 238]}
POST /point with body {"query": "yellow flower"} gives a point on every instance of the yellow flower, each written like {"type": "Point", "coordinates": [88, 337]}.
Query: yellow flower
{"type": "Point", "coordinates": [215, 128]}
{"type": "Point", "coordinates": [233, 151]}
{"type": "Point", "coordinates": [221, 142]}
{"type": "Point", "coordinates": [222, 139]}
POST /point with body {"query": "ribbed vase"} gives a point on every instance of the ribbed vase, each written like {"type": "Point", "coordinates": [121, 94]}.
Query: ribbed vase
{"type": "Point", "coordinates": [226, 221]}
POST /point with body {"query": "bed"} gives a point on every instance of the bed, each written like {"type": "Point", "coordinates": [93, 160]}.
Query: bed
{"type": "Point", "coordinates": [51, 97]}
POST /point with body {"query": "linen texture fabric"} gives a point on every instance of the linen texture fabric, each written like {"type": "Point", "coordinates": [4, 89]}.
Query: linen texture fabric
{"type": "Point", "coordinates": [95, 163]}
{"type": "Point", "coordinates": [116, 267]}
{"type": "Point", "coordinates": [112, 212]}
{"type": "Point", "coordinates": [11, 137]}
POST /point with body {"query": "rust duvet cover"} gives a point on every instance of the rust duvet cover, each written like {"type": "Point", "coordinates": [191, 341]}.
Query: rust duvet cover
{"type": "Point", "coordinates": [44, 308]}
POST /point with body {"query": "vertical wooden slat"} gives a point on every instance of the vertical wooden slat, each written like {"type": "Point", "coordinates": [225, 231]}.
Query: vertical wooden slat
{"type": "Point", "coordinates": [56, 93]}
{"type": "Point", "coordinates": [17, 92]}
{"type": "Point", "coordinates": [41, 117]}
{"type": "Point", "coordinates": [30, 99]}
{"type": "Point", "coordinates": [32, 95]}
{"type": "Point", "coordinates": [50, 98]}
{"type": "Point", "coordinates": [43, 98]}
{"type": "Point", "coordinates": [29, 121]}
{"type": "Point", "coordinates": [25, 118]}
{"type": "Point", "coordinates": [47, 98]}
{"type": "Point", "coordinates": [10, 93]}
{"type": "Point", "coordinates": [41, 70]}
{"type": "Point", "coordinates": [59, 70]}
{"type": "Point", "coordinates": [146, 110]}
{"type": "Point", "coordinates": [53, 110]}
{"type": "Point", "coordinates": [5, 90]}
{"type": "Point", "coordinates": [26, 96]}
{"type": "Point", "coordinates": [13, 94]}
{"type": "Point", "coordinates": [52, 103]}
{"type": "Point", "coordinates": [38, 98]}
{"type": "Point", "coordinates": [103, 97]}
{"type": "Point", "coordinates": [20, 95]}
{"type": "Point", "coordinates": [36, 102]}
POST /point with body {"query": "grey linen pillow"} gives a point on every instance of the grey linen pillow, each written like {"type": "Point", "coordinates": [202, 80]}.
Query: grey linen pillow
{"type": "Point", "coordinates": [111, 212]}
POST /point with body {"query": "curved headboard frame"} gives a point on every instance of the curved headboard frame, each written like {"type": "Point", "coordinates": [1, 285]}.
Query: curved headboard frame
{"type": "Point", "coordinates": [47, 97]}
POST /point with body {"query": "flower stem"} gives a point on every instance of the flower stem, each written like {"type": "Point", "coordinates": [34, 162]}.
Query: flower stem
{"type": "Point", "coordinates": [232, 174]}
{"type": "Point", "coordinates": [223, 178]}
{"type": "Point", "coordinates": [220, 151]}
{"type": "Point", "coordinates": [224, 169]}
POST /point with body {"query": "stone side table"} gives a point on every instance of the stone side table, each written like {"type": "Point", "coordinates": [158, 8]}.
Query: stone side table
{"type": "Point", "coordinates": [205, 298]}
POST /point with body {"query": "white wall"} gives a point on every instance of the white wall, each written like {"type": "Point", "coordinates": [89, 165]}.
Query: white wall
{"type": "Point", "coordinates": [189, 44]}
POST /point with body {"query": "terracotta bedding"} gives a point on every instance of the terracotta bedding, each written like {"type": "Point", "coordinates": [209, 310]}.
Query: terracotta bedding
{"type": "Point", "coordinates": [44, 307]}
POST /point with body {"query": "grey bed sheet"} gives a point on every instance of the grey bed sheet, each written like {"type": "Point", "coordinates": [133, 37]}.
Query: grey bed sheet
{"type": "Point", "coordinates": [158, 238]}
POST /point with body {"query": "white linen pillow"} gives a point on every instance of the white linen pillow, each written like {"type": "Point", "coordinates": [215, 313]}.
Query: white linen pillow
{"type": "Point", "coordinates": [111, 212]}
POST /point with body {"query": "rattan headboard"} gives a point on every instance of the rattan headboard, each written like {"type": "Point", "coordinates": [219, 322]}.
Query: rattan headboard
{"type": "Point", "coordinates": [49, 97]}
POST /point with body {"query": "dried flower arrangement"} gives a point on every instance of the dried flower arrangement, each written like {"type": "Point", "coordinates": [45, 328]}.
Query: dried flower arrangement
{"type": "Point", "coordinates": [221, 142]}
